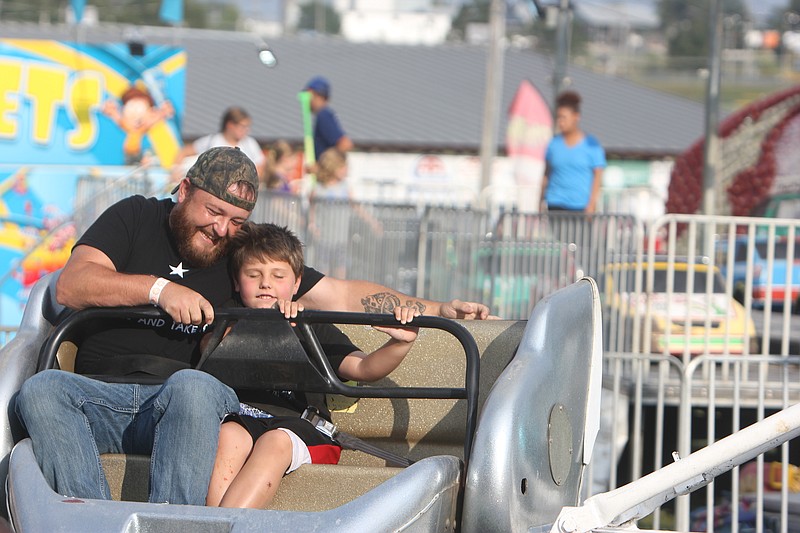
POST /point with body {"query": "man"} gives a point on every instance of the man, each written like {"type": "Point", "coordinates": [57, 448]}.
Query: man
{"type": "Point", "coordinates": [328, 131]}
{"type": "Point", "coordinates": [173, 256]}
{"type": "Point", "coordinates": [575, 161]}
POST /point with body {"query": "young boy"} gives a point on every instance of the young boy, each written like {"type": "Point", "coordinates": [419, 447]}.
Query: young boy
{"type": "Point", "coordinates": [255, 449]}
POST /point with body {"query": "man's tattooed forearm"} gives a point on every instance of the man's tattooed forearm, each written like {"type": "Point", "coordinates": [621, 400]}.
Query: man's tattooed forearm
{"type": "Point", "coordinates": [385, 302]}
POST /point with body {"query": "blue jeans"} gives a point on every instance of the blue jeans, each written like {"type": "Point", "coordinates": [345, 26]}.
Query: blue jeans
{"type": "Point", "coordinates": [73, 419]}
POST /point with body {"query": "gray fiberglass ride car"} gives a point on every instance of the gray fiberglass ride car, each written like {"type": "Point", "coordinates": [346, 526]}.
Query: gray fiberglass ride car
{"type": "Point", "coordinates": [498, 419]}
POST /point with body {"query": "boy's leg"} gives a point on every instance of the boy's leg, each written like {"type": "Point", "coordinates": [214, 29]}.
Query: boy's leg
{"type": "Point", "coordinates": [182, 422]}
{"type": "Point", "coordinates": [71, 420]}
{"type": "Point", "coordinates": [259, 478]}
{"type": "Point", "coordinates": [235, 444]}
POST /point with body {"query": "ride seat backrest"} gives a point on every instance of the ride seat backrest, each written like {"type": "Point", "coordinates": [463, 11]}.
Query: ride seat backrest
{"type": "Point", "coordinates": [409, 427]}
{"type": "Point", "coordinates": [417, 428]}
{"type": "Point", "coordinates": [421, 428]}
{"type": "Point", "coordinates": [66, 355]}
{"type": "Point", "coordinates": [538, 425]}
{"type": "Point", "coordinates": [412, 428]}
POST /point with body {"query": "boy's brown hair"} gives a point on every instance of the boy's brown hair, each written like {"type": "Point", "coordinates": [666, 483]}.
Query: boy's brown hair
{"type": "Point", "coordinates": [266, 242]}
{"type": "Point", "coordinates": [570, 100]}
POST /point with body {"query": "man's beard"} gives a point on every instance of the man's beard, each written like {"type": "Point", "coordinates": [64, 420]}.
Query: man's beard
{"type": "Point", "coordinates": [183, 231]}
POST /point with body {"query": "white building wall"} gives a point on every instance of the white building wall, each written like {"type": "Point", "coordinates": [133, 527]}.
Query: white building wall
{"type": "Point", "coordinates": [382, 5]}
{"type": "Point", "coordinates": [393, 27]}
{"type": "Point", "coordinates": [436, 179]}
{"type": "Point", "coordinates": [456, 180]}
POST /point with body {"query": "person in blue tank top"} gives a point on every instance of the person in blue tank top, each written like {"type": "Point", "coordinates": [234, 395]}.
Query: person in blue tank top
{"type": "Point", "coordinates": [575, 161]}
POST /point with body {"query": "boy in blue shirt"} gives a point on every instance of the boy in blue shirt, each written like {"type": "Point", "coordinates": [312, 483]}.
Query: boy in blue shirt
{"type": "Point", "coordinates": [328, 132]}
{"type": "Point", "coordinates": [575, 162]}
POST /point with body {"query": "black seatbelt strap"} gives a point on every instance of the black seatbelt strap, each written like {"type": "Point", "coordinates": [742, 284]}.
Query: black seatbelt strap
{"type": "Point", "coordinates": [351, 442]}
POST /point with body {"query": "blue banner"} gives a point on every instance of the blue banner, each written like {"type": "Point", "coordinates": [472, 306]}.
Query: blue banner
{"type": "Point", "coordinates": [171, 11]}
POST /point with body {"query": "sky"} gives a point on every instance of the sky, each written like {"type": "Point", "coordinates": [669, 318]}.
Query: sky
{"type": "Point", "coordinates": [760, 9]}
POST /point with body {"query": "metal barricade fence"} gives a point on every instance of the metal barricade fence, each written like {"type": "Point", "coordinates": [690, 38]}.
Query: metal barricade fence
{"type": "Point", "coordinates": [754, 388]}
{"type": "Point", "coordinates": [509, 262]}
{"type": "Point", "coordinates": [701, 341]}
{"type": "Point", "coordinates": [94, 193]}
{"type": "Point", "coordinates": [383, 245]}
{"type": "Point", "coordinates": [441, 253]}
{"type": "Point", "coordinates": [455, 255]}
{"type": "Point", "coordinates": [676, 409]}
{"type": "Point", "coordinates": [535, 254]}
{"type": "Point", "coordinates": [283, 209]}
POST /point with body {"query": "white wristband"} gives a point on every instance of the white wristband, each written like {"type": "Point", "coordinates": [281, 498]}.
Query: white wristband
{"type": "Point", "coordinates": [155, 290]}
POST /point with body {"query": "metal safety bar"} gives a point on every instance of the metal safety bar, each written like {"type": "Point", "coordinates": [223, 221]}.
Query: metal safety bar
{"type": "Point", "coordinates": [72, 323]}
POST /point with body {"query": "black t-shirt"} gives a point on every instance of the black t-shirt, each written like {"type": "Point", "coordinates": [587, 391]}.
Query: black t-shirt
{"type": "Point", "coordinates": [134, 233]}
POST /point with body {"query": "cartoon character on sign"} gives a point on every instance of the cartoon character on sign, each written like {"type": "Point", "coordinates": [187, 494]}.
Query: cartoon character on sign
{"type": "Point", "coordinates": [139, 113]}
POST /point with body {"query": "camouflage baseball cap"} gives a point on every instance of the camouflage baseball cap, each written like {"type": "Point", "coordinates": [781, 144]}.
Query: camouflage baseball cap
{"type": "Point", "coordinates": [218, 168]}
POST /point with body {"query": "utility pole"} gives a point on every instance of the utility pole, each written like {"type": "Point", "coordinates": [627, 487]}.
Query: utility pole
{"type": "Point", "coordinates": [563, 35]}
{"type": "Point", "coordinates": [320, 22]}
{"type": "Point", "coordinates": [711, 148]}
{"type": "Point", "coordinates": [494, 86]}
{"type": "Point", "coordinates": [711, 164]}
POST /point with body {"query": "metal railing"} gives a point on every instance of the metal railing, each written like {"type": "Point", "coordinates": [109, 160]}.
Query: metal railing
{"type": "Point", "coordinates": [508, 260]}
{"type": "Point", "coordinates": [94, 193]}
{"type": "Point", "coordinates": [687, 375]}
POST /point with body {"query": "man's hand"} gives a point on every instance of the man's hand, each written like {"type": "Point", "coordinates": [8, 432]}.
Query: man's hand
{"type": "Point", "coordinates": [185, 305]}
{"type": "Point", "coordinates": [466, 311]}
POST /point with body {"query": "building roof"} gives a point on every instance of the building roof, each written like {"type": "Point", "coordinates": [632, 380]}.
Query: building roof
{"type": "Point", "coordinates": [391, 97]}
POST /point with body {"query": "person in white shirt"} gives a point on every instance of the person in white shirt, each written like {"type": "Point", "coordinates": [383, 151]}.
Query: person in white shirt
{"type": "Point", "coordinates": [236, 123]}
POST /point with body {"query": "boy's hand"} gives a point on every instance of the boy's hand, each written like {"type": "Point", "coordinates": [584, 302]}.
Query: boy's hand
{"type": "Point", "coordinates": [289, 308]}
{"type": "Point", "coordinates": [404, 315]}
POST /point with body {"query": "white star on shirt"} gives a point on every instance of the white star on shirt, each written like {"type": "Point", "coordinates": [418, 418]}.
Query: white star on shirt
{"type": "Point", "coordinates": [178, 270]}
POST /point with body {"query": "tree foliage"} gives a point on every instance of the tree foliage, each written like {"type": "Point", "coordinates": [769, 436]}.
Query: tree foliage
{"type": "Point", "coordinates": [319, 16]}
{"type": "Point", "coordinates": [785, 17]}
{"type": "Point", "coordinates": [476, 11]}
{"type": "Point", "coordinates": [197, 13]}
{"type": "Point", "coordinates": [686, 24]}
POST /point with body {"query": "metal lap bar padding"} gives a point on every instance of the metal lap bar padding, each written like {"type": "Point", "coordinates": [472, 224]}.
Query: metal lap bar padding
{"type": "Point", "coordinates": [304, 320]}
{"type": "Point", "coordinates": [261, 351]}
